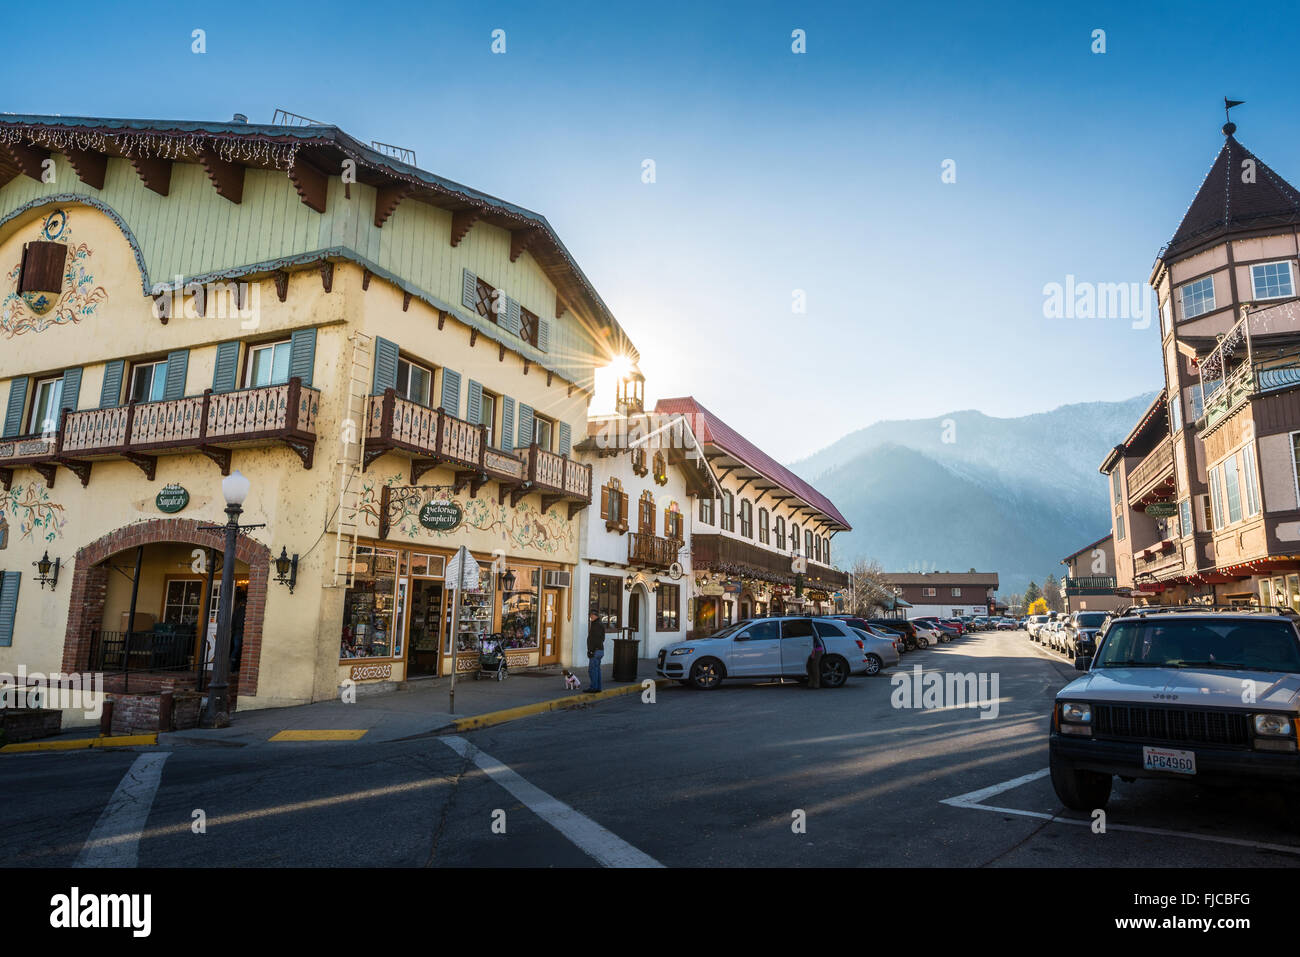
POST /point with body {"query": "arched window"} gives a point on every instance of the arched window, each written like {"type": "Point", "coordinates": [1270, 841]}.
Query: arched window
{"type": "Point", "coordinates": [746, 518]}
{"type": "Point", "coordinates": [661, 469]}
{"type": "Point", "coordinates": [826, 551]}
{"type": "Point", "coordinates": [638, 461]}
{"type": "Point", "coordinates": [728, 512]}
{"type": "Point", "coordinates": [646, 516]}
{"type": "Point", "coordinates": [807, 543]}
{"type": "Point", "coordinates": [706, 509]}
{"type": "Point", "coordinates": [780, 533]}
{"type": "Point", "coordinates": [817, 548]}
{"type": "Point", "coordinates": [763, 529]}
{"type": "Point", "coordinates": [794, 537]}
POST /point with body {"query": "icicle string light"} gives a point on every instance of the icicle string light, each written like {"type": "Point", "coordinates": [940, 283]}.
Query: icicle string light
{"type": "Point", "coordinates": [168, 146]}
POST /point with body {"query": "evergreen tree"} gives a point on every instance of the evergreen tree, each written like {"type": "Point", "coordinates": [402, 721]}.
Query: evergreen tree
{"type": "Point", "coordinates": [1052, 592]}
{"type": "Point", "coordinates": [1032, 593]}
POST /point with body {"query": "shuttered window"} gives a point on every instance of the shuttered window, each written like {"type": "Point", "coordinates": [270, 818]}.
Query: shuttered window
{"type": "Point", "coordinates": [510, 318]}
{"type": "Point", "coordinates": [110, 390]}
{"type": "Point", "coordinates": [71, 397]}
{"type": "Point", "coordinates": [543, 335]}
{"type": "Point", "coordinates": [728, 512]}
{"type": "Point", "coordinates": [177, 366]}
{"type": "Point", "coordinates": [45, 406]}
{"type": "Point", "coordinates": [780, 533]}
{"type": "Point", "coordinates": [302, 354]}
{"type": "Point", "coordinates": [507, 423]}
{"type": "Point", "coordinates": [566, 438]}
{"type": "Point", "coordinates": [706, 510]}
{"type": "Point", "coordinates": [225, 371]}
{"type": "Point", "coordinates": [451, 392]}
{"type": "Point", "coordinates": [16, 407]}
{"type": "Point", "coordinates": [763, 530]}
{"type": "Point", "coordinates": [148, 379]}
{"type": "Point", "coordinates": [43, 267]}
{"type": "Point", "coordinates": [385, 373]}
{"type": "Point", "coordinates": [9, 582]}
{"type": "Point", "coordinates": [529, 326]}
{"type": "Point", "coordinates": [524, 436]}
{"type": "Point", "coordinates": [473, 402]}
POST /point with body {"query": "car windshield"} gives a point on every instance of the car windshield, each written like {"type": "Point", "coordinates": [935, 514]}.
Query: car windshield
{"type": "Point", "coordinates": [1090, 619]}
{"type": "Point", "coordinates": [1231, 644]}
{"type": "Point", "coordinates": [728, 629]}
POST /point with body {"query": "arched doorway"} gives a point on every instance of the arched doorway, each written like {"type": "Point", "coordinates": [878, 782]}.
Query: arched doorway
{"type": "Point", "coordinates": [168, 551]}
{"type": "Point", "coordinates": [640, 610]}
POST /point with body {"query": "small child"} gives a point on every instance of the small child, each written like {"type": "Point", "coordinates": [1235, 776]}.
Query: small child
{"type": "Point", "coordinates": [571, 682]}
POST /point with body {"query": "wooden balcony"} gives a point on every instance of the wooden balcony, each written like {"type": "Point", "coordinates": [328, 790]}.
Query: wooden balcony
{"type": "Point", "coordinates": [211, 423]}
{"type": "Point", "coordinates": [434, 438]}
{"type": "Point", "coordinates": [1090, 585]}
{"type": "Point", "coordinates": [652, 551]}
{"type": "Point", "coordinates": [1154, 475]}
{"type": "Point", "coordinates": [724, 552]}
{"type": "Point", "coordinates": [1160, 560]}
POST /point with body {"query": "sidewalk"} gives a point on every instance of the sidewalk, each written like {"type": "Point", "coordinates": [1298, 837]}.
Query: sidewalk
{"type": "Point", "coordinates": [422, 707]}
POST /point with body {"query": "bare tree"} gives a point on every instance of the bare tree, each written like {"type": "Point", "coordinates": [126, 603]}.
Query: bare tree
{"type": "Point", "coordinates": [869, 591]}
{"type": "Point", "coordinates": [1052, 592]}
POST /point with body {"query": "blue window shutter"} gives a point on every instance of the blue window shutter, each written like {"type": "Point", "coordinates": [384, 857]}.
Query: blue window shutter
{"type": "Point", "coordinates": [110, 393]}
{"type": "Point", "coordinates": [302, 354]}
{"type": "Point", "coordinates": [9, 606]}
{"type": "Point", "coordinates": [469, 291]}
{"type": "Point", "coordinates": [566, 438]}
{"type": "Point", "coordinates": [17, 406]}
{"type": "Point", "coordinates": [525, 436]}
{"type": "Point", "coordinates": [511, 318]}
{"type": "Point", "coordinates": [177, 365]}
{"type": "Point", "coordinates": [385, 365]}
{"type": "Point", "coordinates": [451, 392]}
{"type": "Point", "coordinates": [70, 395]}
{"type": "Point", "coordinates": [225, 373]}
{"type": "Point", "coordinates": [544, 334]}
{"type": "Point", "coordinates": [473, 401]}
{"type": "Point", "coordinates": [507, 422]}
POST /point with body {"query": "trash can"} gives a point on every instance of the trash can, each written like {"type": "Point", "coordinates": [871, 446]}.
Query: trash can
{"type": "Point", "coordinates": [625, 659]}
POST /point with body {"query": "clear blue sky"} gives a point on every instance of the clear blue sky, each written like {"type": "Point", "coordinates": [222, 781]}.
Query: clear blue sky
{"type": "Point", "coordinates": [775, 171]}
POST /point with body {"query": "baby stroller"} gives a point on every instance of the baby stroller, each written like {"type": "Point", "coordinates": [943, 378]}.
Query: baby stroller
{"type": "Point", "coordinates": [492, 658]}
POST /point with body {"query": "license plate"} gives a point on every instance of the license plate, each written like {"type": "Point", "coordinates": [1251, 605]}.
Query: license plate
{"type": "Point", "coordinates": [1163, 759]}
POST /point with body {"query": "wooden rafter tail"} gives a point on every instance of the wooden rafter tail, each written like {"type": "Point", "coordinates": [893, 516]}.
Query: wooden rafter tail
{"type": "Point", "coordinates": [154, 173]}
{"type": "Point", "coordinates": [91, 167]}
{"type": "Point", "coordinates": [312, 184]}
{"type": "Point", "coordinates": [387, 199]}
{"type": "Point", "coordinates": [461, 221]}
{"type": "Point", "coordinates": [227, 177]}
{"type": "Point", "coordinates": [521, 239]}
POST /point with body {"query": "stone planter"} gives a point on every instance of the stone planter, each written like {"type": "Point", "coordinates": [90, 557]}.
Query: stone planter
{"type": "Point", "coordinates": [27, 724]}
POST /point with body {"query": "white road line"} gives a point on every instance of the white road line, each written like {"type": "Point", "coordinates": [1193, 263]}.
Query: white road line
{"type": "Point", "coordinates": [972, 801]}
{"type": "Point", "coordinates": [605, 846]}
{"type": "Point", "coordinates": [115, 839]}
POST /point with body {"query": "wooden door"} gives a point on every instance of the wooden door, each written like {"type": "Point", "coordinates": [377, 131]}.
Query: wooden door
{"type": "Point", "coordinates": [552, 613]}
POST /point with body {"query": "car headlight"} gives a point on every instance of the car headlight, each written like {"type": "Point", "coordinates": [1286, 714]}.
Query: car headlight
{"type": "Point", "coordinates": [1273, 725]}
{"type": "Point", "coordinates": [682, 651]}
{"type": "Point", "coordinates": [1076, 712]}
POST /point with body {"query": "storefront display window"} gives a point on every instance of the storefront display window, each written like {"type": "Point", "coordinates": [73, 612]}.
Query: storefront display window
{"type": "Point", "coordinates": [520, 608]}
{"type": "Point", "coordinates": [475, 614]}
{"type": "Point", "coordinates": [706, 616]}
{"type": "Point", "coordinates": [370, 627]}
{"type": "Point", "coordinates": [607, 597]}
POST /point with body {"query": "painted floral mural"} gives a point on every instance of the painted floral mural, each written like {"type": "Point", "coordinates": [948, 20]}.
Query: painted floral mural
{"type": "Point", "coordinates": [36, 516]}
{"type": "Point", "coordinates": [35, 312]}
{"type": "Point", "coordinates": [522, 526]}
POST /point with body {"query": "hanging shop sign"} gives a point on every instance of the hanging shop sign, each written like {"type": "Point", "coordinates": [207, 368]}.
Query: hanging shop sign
{"type": "Point", "coordinates": [172, 498]}
{"type": "Point", "coordinates": [1162, 509]}
{"type": "Point", "coordinates": [441, 516]}
{"type": "Point", "coordinates": [817, 595]}
{"type": "Point", "coordinates": [711, 591]}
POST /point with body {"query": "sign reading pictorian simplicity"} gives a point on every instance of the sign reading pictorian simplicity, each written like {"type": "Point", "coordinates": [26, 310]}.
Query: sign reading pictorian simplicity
{"type": "Point", "coordinates": [172, 498]}
{"type": "Point", "coordinates": [440, 516]}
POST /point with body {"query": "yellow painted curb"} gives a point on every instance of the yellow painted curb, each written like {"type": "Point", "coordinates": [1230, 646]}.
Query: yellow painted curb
{"type": "Point", "coordinates": [325, 735]}
{"type": "Point", "coordinates": [79, 744]}
{"type": "Point", "coordinates": [555, 704]}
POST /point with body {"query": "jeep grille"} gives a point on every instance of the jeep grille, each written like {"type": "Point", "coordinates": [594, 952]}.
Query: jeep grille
{"type": "Point", "coordinates": [1181, 725]}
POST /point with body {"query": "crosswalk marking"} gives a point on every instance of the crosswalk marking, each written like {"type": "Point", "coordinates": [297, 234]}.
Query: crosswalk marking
{"type": "Point", "coordinates": [115, 839]}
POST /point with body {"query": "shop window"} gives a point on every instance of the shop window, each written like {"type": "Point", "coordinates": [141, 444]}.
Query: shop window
{"type": "Point", "coordinates": [148, 381]}
{"type": "Point", "coordinates": [668, 600]}
{"type": "Point", "coordinates": [369, 605]}
{"type": "Point", "coordinates": [414, 381]}
{"type": "Point", "coordinates": [475, 622]}
{"type": "Point", "coordinates": [607, 599]}
{"type": "Point", "coordinates": [182, 602]}
{"type": "Point", "coordinates": [268, 364]}
{"type": "Point", "coordinates": [520, 608]}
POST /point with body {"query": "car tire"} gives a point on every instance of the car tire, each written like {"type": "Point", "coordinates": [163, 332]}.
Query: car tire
{"type": "Point", "coordinates": [1079, 790]}
{"type": "Point", "coordinates": [835, 671]}
{"type": "Point", "coordinates": [706, 674]}
{"type": "Point", "coordinates": [874, 665]}
{"type": "Point", "coordinates": [922, 641]}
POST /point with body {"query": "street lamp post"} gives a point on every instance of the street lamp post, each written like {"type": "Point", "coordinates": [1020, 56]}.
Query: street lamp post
{"type": "Point", "coordinates": [234, 487]}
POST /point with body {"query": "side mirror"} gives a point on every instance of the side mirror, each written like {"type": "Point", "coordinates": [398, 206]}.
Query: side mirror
{"type": "Point", "coordinates": [1083, 663]}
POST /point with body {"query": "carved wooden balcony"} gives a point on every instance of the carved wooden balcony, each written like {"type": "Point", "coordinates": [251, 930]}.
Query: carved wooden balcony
{"type": "Point", "coordinates": [435, 438]}
{"type": "Point", "coordinates": [211, 423]}
{"type": "Point", "coordinates": [651, 551]}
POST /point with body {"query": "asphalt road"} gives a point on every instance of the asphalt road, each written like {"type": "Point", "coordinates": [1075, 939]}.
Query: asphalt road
{"type": "Point", "coordinates": [697, 778]}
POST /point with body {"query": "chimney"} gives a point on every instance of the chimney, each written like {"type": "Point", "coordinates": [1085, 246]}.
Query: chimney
{"type": "Point", "coordinates": [239, 118]}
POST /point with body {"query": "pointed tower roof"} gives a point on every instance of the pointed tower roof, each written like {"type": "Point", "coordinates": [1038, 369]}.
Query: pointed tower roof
{"type": "Point", "coordinates": [1225, 203]}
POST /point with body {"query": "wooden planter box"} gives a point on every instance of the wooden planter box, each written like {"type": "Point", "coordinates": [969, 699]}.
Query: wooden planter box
{"type": "Point", "coordinates": [27, 724]}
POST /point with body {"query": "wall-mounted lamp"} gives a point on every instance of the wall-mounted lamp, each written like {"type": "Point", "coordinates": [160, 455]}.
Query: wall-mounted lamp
{"type": "Point", "coordinates": [286, 569]}
{"type": "Point", "coordinates": [47, 571]}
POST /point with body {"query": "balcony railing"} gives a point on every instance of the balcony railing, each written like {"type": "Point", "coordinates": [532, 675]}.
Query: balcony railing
{"type": "Point", "coordinates": [212, 423]}
{"type": "Point", "coordinates": [724, 552]}
{"type": "Point", "coordinates": [435, 438]}
{"type": "Point", "coordinates": [1158, 465]}
{"type": "Point", "coordinates": [653, 551]}
{"type": "Point", "coordinates": [1163, 559]}
{"type": "Point", "coordinates": [1090, 585]}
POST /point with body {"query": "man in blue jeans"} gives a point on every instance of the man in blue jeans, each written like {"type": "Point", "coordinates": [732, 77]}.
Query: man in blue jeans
{"type": "Point", "coordinates": [595, 650]}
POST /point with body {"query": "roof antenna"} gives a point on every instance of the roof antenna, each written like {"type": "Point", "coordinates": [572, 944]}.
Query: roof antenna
{"type": "Point", "coordinates": [1229, 127]}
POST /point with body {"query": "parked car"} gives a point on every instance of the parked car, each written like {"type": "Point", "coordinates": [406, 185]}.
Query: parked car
{"type": "Point", "coordinates": [766, 648]}
{"type": "Point", "coordinates": [1079, 632]}
{"type": "Point", "coordinates": [947, 630]}
{"type": "Point", "coordinates": [1006, 624]}
{"type": "Point", "coordinates": [958, 624]}
{"type": "Point", "coordinates": [882, 651]}
{"type": "Point", "coordinates": [899, 625]}
{"type": "Point", "coordinates": [1163, 698]}
{"type": "Point", "coordinates": [863, 625]}
{"type": "Point", "coordinates": [926, 634]}
{"type": "Point", "coordinates": [1036, 622]}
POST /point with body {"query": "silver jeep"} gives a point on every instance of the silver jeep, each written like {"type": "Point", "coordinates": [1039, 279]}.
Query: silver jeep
{"type": "Point", "coordinates": [1181, 692]}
